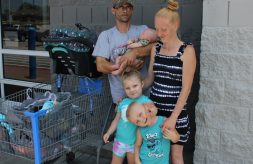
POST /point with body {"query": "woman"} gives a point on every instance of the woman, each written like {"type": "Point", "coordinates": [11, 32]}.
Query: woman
{"type": "Point", "coordinates": [171, 72]}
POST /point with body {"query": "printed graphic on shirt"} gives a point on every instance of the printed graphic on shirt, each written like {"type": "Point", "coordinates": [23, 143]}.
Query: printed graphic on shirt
{"type": "Point", "coordinates": [154, 145]}
{"type": "Point", "coordinates": [123, 113]}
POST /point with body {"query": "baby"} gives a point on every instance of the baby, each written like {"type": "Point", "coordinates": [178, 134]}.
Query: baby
{"type": "Point", "coordinates": [152, 145]}
{"type": "Point", "coordinates": [146, 37]}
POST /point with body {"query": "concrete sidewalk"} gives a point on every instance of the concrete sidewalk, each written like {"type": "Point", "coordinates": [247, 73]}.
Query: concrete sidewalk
{"type": "Point", "coordinates": [84, 155]}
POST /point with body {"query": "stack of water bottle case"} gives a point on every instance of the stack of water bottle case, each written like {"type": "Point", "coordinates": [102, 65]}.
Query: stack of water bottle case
{"type": "Point", "coordinates": [48, 120]}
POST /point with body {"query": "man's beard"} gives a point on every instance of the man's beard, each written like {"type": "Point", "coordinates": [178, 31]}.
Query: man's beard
{"type": "Point", "coordinates": [124, 19]}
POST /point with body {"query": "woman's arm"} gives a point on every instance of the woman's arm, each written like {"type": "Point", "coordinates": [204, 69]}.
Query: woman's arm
{"type": "Point", "coordinates": [189, 66]}
{"type": "Point", "coordinates": [137, 146]}
{"type": "Point", "coordinates": [150, 77]}
{"type": "Point", "coordinates": [112, 127]}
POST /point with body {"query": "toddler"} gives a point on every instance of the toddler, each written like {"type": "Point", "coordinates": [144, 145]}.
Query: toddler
{"type": "Point", "coordinates": [152, 145]}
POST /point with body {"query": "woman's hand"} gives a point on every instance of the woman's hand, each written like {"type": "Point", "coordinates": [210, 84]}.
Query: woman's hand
{"type": "Point", "coordinates": [150, 108]}
{"type": "Point", "coordinates": [172, 135]}
{"type": "Point", "coordinates": [169, 123]}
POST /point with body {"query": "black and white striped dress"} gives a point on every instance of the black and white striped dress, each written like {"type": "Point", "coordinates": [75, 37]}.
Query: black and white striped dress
{"type": "Point", "coordinates": [167, 87]}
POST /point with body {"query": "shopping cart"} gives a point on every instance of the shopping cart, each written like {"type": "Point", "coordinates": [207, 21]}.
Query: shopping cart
{"type": "Point", "coordinates": [30, 130]}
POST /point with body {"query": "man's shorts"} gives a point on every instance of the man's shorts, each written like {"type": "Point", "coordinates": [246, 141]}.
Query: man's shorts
{"type": "Point", "coordinates": [120, 149]}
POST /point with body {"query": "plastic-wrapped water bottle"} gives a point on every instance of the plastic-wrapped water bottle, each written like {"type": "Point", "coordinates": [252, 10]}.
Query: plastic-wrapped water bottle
{"type": "Point", "coordinates": [58, 82]}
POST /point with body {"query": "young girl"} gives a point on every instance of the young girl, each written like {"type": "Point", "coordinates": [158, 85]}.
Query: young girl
{"type": "Point", "coordinates": [171, 73]}
{"type": "Point", "coordinates": [126, 131]}
{"type": "Point", "coordinates": [151, 146]}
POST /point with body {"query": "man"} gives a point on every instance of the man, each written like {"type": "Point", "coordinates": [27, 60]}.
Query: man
{"type": "Point", "coordinates": [114, 37]}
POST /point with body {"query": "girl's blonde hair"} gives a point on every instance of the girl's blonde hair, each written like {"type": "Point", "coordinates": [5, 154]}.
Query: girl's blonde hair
{"type": "Point", "coordinates": [170, 12]}
{"type": "Point", "coordinates": [131, 73]}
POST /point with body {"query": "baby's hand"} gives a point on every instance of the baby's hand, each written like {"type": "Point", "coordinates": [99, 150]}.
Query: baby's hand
{"type": "Point", "coordinates": [106, 138]}
{"type": "Point", "coordinates": [171, 134]}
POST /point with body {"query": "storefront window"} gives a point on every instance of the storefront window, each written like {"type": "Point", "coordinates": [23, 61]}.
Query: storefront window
{"type": "Point", "coordinates": [26, 70]}
{"type": "Point", "coordinates": [11, 89]}
{"type": "Point", "coordinates": [23, 24]}
{"type": "Point", "coordinates": [19, 17]}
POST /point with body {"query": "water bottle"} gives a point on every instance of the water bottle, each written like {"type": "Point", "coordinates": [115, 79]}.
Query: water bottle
{"type": "Point", "coordinates": [58, 82]}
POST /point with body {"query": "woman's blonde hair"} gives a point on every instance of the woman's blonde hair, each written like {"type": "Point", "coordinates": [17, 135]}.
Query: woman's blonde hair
{"type": "Point", "coordinates": [170, 12]}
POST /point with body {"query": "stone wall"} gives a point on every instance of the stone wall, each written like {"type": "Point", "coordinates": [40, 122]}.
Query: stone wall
{"type": "Point", "coordinates": [224, 113]}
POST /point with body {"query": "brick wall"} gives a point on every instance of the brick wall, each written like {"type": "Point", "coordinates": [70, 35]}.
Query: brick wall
{"type": "Point", "coordinates": [224, 113]}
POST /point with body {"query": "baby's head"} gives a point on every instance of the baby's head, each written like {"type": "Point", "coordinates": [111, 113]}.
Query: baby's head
{"type": "Point", "coordinates": [149, 34]}
{"type": "Point", "coordinates": [137, 114]}
{"type": "Point", "coordinates": [132, 83]}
